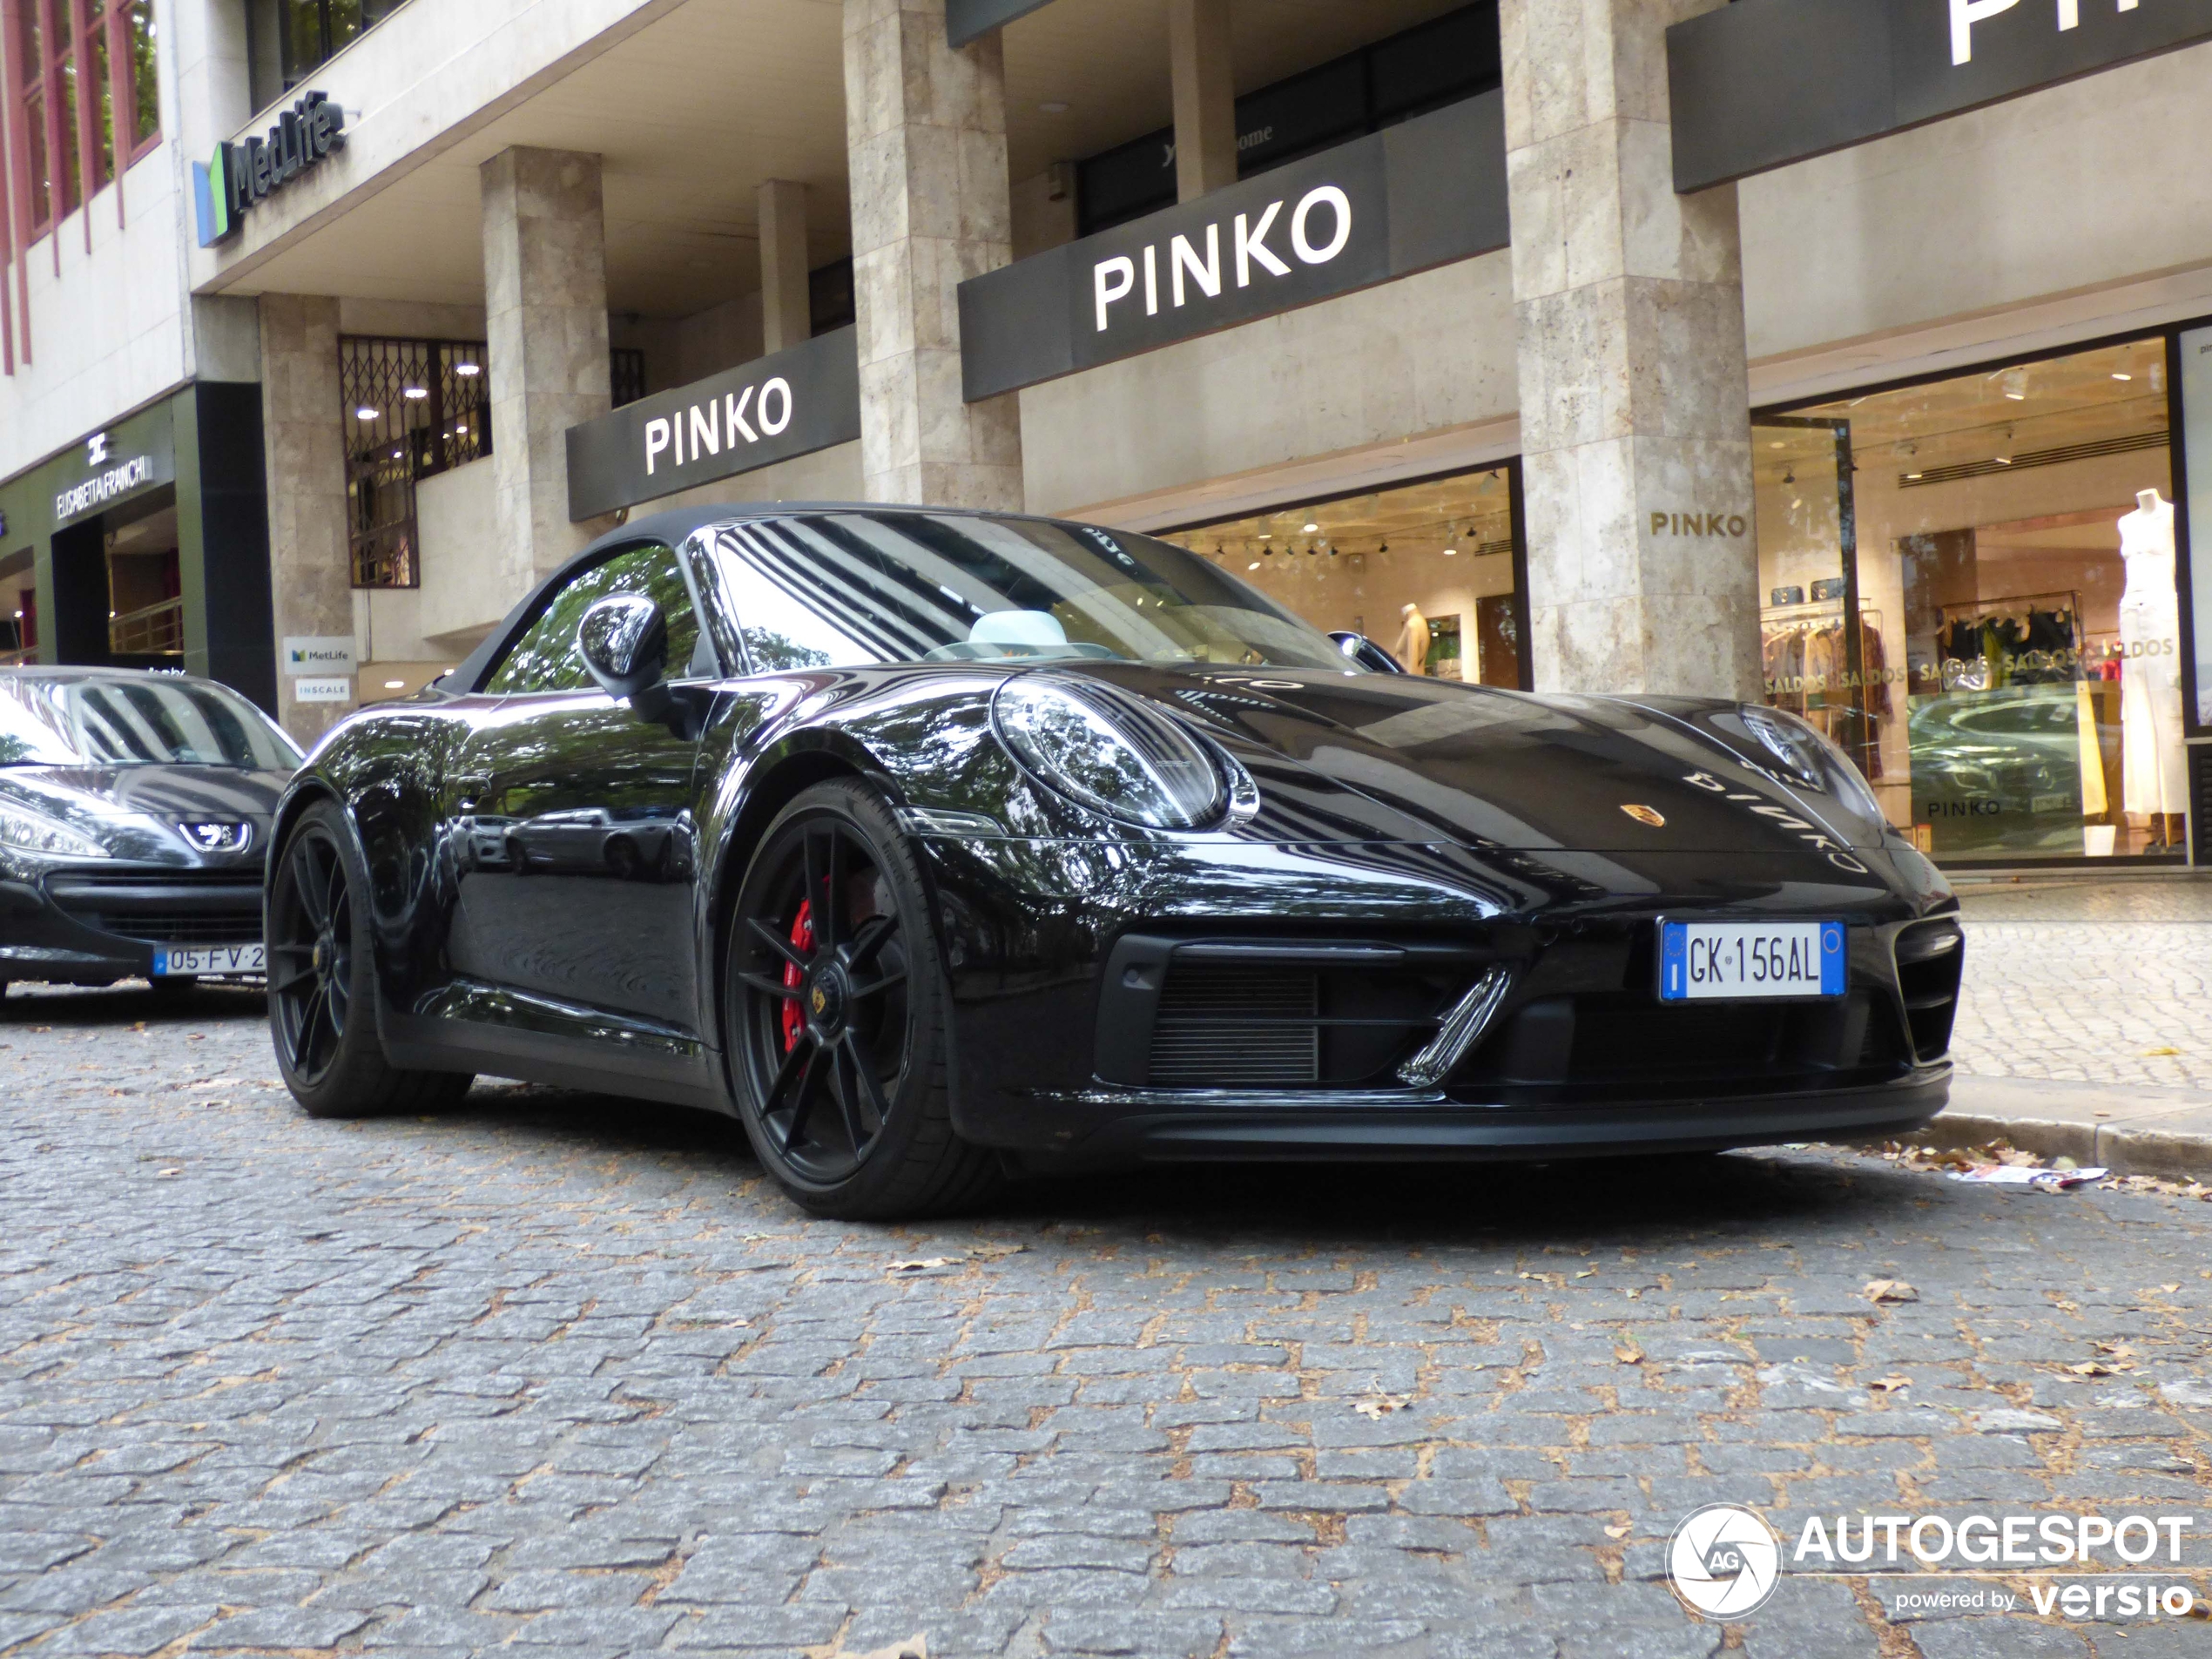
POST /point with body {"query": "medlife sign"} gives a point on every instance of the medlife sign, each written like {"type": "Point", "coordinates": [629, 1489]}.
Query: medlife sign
{"type": "Point", "coordinates": [790, 404]}
{"type": "Point", "coordinates": [1763, 83]}
{"type": "Point", "coordinates": [1427, 191]}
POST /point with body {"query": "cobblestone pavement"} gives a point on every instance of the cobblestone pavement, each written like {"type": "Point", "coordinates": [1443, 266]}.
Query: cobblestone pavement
{"type": "Point", "coordinates": [2076, 982]}
{"type": "Point", "coordinates": [564, 1373]}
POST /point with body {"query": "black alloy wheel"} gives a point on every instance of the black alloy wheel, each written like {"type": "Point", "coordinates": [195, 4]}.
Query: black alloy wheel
{"type": "Point", "coordinates": [311, 955]}
{"type": "Point", "coordinates": [837, 1016]}
{"type": "Point", "coordinates": [321, 981]}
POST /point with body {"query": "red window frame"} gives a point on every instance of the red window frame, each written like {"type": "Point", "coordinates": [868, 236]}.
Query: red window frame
{"type": "Point", "coordinates": [48, 81]}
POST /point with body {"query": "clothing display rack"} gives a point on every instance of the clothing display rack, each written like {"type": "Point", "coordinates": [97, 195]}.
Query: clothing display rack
{"type": "Point", "coordinates": [2026, 639]}
{"type": "Point", "coordinates": [1804, 656]}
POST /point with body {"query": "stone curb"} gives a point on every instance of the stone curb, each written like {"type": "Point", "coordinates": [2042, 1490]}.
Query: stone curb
{"type": "Point", "coordinates": [2129, 1131]}
{"type": "Point", "coordinates": [2170, 1153]}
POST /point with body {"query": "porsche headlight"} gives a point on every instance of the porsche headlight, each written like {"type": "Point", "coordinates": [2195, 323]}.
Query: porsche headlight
{"type": "Point", "coordinates": [1114, 754]}
{"type": "Point", "coordinates": [1809, 758]}
{"type": "Point", "coordinates": [25, 831]}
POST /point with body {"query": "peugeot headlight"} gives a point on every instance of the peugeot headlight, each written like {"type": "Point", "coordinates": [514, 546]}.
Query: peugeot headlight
{"type": "Point", "coordinates": [1809, 758]}
{"type": "Point", "coordinates": [1117, 754]}
{"type": "Point", "coordinates": [25, 831]}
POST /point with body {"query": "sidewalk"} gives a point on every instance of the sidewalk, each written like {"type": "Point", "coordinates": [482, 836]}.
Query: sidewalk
{"type": "Point", "coordinates": [2086, 1030]}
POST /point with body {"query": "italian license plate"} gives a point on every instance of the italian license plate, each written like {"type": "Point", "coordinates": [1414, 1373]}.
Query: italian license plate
{"type": "Point", "coordinates": [209, 961]}
{"type": "Point", "coordinates": [1750, 960]}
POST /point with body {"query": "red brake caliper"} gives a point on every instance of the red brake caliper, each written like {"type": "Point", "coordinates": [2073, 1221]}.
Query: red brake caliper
{"type": "Point", "coordinates": [802, 935]}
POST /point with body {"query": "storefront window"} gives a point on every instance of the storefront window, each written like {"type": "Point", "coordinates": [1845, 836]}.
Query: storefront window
{"type": "Point", "coordinates": [2196, 416]}
{"type": "Point", "coordinates": [1969, 585]}
{"type": "Point", "coordinates": [1429, 572]}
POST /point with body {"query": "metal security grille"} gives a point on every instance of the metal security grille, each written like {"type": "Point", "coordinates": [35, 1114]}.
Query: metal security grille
{"type": "Point", "coordinates": [2201, 798]}
{"type": "Point", "coordinates": [626, 371]}
{"type": "Point", "coordinates": [412, 408]}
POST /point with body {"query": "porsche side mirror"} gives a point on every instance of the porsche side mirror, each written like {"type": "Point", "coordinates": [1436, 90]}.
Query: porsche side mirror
{"type": "Point", "coordinates": [1370, 656]}
{"type": "Point", "coordinates": [624, 641]}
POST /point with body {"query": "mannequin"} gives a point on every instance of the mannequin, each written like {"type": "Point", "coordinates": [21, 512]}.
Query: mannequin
{"type": "Point", "coordinates": [2155, 765]}
{"type": "Point", "coordinates": [1413, 640]}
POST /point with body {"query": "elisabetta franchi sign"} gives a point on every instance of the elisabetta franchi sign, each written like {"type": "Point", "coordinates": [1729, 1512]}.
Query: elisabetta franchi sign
{"type": "Point", "coordinates": [1420, 194]}
{"type": "Point", "coordinates": [791, 403]}
{"type": "Point", "coordinates": [1763, 83]}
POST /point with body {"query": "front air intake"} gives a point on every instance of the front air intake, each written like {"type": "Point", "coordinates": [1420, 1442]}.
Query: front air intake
{"type": "Point", "coordinates": [1235, 1027]}
{"type": "Point", "coordinates": [1931, 963]}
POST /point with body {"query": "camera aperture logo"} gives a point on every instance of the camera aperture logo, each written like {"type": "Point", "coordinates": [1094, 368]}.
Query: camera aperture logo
{"type": "Point", "coordinates": [1724, 1561]}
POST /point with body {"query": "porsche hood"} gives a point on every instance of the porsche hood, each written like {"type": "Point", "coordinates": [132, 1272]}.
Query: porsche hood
{"type": "Point", "coordinates": [1488, 767]}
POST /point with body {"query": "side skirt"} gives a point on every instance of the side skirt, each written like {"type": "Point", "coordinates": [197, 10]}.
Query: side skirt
{"type": "Point", "coordinates": [469, 1026]}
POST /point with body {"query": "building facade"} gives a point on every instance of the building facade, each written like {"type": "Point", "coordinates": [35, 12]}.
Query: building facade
{"type": "Point", "coordinates": [1854, 359]}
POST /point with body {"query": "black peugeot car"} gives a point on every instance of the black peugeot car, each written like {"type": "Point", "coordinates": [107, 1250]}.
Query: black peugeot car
{"type": "Point", "coordinates": [135, 810]}
{"type": "Point", "coordinates": [935, 846]}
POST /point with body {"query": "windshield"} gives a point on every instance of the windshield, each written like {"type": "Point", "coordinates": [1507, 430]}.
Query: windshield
{"type": "Point", "coordinates": [150, 722]}
{"type": "Point", "coordinates": [847, 590]}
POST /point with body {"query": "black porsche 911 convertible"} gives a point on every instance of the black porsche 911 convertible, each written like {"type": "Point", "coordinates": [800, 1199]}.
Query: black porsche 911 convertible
{"type": "Point", "coordinates": [940, 846]}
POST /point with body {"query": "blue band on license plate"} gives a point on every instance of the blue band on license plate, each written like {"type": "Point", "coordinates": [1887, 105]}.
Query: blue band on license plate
{"type": "Point", "coordinates": [1751, 960]}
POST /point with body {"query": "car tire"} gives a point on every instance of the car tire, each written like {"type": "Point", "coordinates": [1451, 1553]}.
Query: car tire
{"type": "Point", "coordinates": [841, 1068]}
{"type": "Point", "coordinates": [322, 981]}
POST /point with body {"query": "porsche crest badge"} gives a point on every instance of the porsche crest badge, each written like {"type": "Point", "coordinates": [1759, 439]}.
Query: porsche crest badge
{"type": "Point", "coordinates": [1649, 817]}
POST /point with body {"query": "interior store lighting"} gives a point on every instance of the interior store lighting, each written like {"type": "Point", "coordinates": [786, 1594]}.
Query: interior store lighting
{"type": "Point", "coordinates": [365, 412]}
{"type": "Point", "coordinates": [416, 393]}
{"type": "Point", "coordinates": [468, 371]}
{"type": "Point", "coordinates": [396, 685]}
{"type": "Point", "coordinates": [2123, 377]}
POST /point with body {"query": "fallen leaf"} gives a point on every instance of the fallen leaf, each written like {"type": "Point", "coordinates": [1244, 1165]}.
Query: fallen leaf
{"type": "Point", "coordinates": [2160, 1053]}
{"type": "Point", "coordinates": [168, 1172]}
{"type": "Point", "coordinates": [2119, 1349]}
{"type": "Point", "coordinates": [1634, 1295]}
{"type": "Point", "coordinates": [993, 1253]}
{"type": "Point", "coordinates": [1375, 1408]}
{"type": "Point", "coordinates": [924, 1264]}
{"type": "Point", "coordinates": [1587, 1273]}
{"type": "Point", "coordinates": [2091, 1368]}
{"type": "Point", "coordinates": [1891, 1290]}
{"type": "Point", "coordinates": [1617, 1532]}
{"type": "Point", "coordinates": [1889, 1385]}
{"type": "Point", "coordinates": [1628, 1354]}
{"type": "Point", "coordinates": [2169, 1289]}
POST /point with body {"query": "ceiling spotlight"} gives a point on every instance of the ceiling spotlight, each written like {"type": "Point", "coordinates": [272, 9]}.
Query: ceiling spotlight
{"type": "Point", "coordinates": [1777, 444]}
{"type": "Point", "coordinates": [365, 412]}
{"type": "Point", "coordinates": [2123, 377]}
{"type": "Point", "coordinates": [1915, 475]}
{"type": "Point", "coordinates": [1313, 529]}
{"type": "Point", "coordinates": [396, 685]}
{"type": "Point", "coordinates": [1254, 565]}
{"type": "Point", "coordinates": [1789, 474]}
{"type": "Point", "coordinates": [1450, 552]}
{"type": "Point", "coordinates": [1267, 535]}
{"type": "Point", "coordinates": [468, 371]}
{"type": "Point", "coordinates": [2002, 461]}
{"type": "Point", "coordinates": [2016, 384]}
{"type": "Point", "coordinates": [461, 432]}
{"type": "Point", "coordinates": [1384, 548]}
{"type": "Point", "coordinates": [416, 394]}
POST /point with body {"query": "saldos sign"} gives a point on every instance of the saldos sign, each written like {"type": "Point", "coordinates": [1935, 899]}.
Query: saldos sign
{"type": "Point", "coordinates": [239, 177]}
{"type": "Point", "coordinates": [789, 404]}
{"type": "Point", "coordinates": [1763, 83]}
{"type": "Point", "coordinates": [1424, 192]}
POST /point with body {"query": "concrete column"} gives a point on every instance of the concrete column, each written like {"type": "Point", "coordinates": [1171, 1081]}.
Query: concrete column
{"type": "Point", "coordinates": [1635, 402]}
{"type": "Point", "coordinates": [925, 132]}
{"type": "Point", "coordinates": [786, 311]}
{"type": "Point", "coordinates": [1202, 53]}
{"type": "Point", "coordinates": [311, 572]}
{"type": "Point", "coordinates": [545, 305]}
